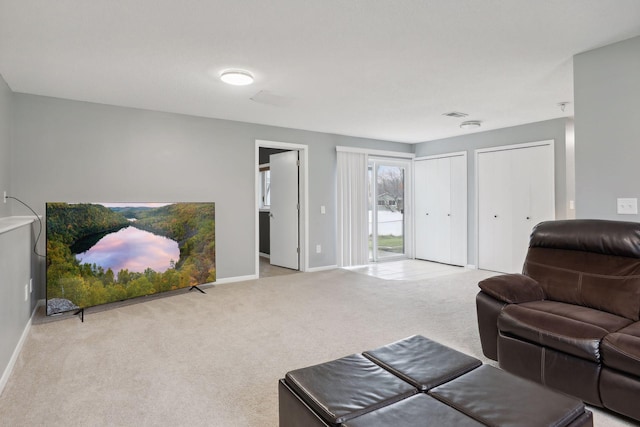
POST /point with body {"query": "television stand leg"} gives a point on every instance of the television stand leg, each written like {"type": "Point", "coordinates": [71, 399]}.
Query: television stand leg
{"type": "Point", "coordinates": [196, 288]}
{"type": "Point", "coordinates": [81, 313]}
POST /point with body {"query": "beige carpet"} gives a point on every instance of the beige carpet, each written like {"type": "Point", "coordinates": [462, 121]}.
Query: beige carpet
{"type": "Point", "coordinates": [215, 359]}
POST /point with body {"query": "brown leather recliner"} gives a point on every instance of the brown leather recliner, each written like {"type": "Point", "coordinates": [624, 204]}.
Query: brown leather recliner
{"type": "Point", "coordinates": [571, 319]}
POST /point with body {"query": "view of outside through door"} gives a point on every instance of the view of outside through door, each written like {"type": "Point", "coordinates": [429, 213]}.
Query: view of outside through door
{"type": "Point", "coordinates": [386, 210]}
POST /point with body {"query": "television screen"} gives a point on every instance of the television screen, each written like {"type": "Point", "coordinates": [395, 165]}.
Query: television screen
{"type": "Point", "coordinates": [99, 253]}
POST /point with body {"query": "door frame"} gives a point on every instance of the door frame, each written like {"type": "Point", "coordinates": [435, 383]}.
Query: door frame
{"type": "Point", "coordinates": [476, 208]}
{"type": "Point", "coordinates": [303, 188]}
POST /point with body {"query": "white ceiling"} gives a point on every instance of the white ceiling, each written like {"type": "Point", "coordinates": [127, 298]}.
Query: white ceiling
{"type": "Point", "coordinates": [383, 69]}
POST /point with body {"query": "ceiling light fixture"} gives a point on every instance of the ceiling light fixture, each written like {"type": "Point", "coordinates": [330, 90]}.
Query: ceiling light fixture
{"type": "Point", "coordinates": [471, 124]}
{"type": "Point", "coordinates": [237, 77]}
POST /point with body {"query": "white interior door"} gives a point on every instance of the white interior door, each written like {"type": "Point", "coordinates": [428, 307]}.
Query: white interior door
{"type": "Point", "coordinates": [458, 202]}
{"type": "Point", "coordinates": [284, 210]}
{"type": "Point", "coordinates": [515, 192]}
{"type": "Point", "coordinates": [426, 175]}
{"type": "Point", "coordinates": [441, 209]}
{"type": "Point", "coordinates": [494, 211]}
{"type": "Point", "coordinates": [535, 196]}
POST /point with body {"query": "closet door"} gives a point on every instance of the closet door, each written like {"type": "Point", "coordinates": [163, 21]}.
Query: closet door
{"type": "Point", "coordinates": [534, 200]}
{"type": "Point", "coordinates": [515, 192]}
{"type": "Point", "coordinates": [494, 211]}
{"type": "Point", "coordinates": [458, 203]}
{"type": "Point", "coordinates": [441, 209]}
{"type": "Point", "coordinates": [426, 205]}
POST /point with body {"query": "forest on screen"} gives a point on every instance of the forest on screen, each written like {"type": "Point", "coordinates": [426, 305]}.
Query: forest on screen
{"type": "Point", "coordinates": [74, 228]}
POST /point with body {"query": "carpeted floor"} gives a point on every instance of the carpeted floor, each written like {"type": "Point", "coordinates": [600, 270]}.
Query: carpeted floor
{"type": "Point", "coordinates": [214, 360]}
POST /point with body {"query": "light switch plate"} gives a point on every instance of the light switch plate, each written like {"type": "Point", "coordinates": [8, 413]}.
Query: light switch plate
{"type": "Point", "coordinates": [628, 206]}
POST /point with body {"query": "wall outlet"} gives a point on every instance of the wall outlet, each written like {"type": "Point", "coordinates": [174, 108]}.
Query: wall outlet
{"type": "Point", "coordinates": [628, 206]}
{"type": "Point", "coordinates": [323, 210]}
{"type": "Point", "coordinates": [318, 249]}
{"type": "Point", "coordinates": [26, 292]}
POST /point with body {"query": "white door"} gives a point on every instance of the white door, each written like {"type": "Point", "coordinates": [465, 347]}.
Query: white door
{"type": "Point", "coordinates": [441, 209]}
{"type": "Point", "coordinates": [494, 211]}
{"type": "Point", "coordinates": [458, 202]}
{"type": "Point", "coordinates": [284, 210]}
{"type": "Point", "coordinates": [536, 197]}
{"type": "Point", "coordinates": [515, 192]}
{"type": "Point", "coordinates": [442, 231]}
{"type": "Point", "coordinates": [426, 175]}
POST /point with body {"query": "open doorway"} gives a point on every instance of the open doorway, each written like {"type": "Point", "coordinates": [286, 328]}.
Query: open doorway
{"type": "Point", "coordinates": [281, 208]}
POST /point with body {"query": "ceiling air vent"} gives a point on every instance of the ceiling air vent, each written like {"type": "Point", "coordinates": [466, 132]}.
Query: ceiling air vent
{"type": "Point", "coordinates": [455, 114]}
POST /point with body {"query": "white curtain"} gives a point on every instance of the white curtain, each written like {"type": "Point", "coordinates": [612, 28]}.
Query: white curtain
{"type": "Point", "coordinates": [353, 221]}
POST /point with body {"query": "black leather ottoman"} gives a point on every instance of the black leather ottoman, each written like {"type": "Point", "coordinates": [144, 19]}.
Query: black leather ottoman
{"type": "Point", "coordinates": [498, 398]}
{"type": "Point", "coordinates": [417, 381]}
{"type": "Point", "coordinates": [421, 362]}
{"type": "Point", "coordinates": [419, 410]}
{"type": "Point", "coordinates": [338, 391]}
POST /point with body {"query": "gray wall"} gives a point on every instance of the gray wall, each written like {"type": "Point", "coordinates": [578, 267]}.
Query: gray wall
{"type": "Point", "coordinates": [541, 131]}
{"type": "Point", "coordinates": [607, 124]}
{"type": "Point", "coordinates": [79, 152]}
{"type": "Point", "coordinates": [15, 272]}
{"type": "Point", "coordinates": [5, 144]}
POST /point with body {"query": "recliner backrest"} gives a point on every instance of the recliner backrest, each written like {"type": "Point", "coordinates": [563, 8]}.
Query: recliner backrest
{"type": "Point", "coordinates": [589, 262]}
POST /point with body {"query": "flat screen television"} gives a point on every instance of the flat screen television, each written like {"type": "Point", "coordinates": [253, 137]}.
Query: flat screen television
{"type": "Point", "coordinates": [99, 253]}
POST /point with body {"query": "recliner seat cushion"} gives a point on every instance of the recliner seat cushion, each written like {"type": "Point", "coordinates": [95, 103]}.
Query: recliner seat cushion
{"type": "Point", "coordinates": [564, 327]}
{"type": "Point", "coordinates": [621, 350]}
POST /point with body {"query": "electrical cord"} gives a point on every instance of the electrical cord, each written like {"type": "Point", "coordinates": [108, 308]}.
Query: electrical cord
{"type": "Point", "coordinates": [35, 245]}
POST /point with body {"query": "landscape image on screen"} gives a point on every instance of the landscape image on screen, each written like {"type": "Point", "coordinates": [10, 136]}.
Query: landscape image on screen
{"type": "Point", "coordinates": [99, 253]}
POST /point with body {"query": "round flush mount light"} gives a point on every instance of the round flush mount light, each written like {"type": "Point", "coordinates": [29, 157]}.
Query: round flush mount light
{"type": "Point", "coordinates": [471, 124]}
{"type": "Point", "coordinates": [237, 77]}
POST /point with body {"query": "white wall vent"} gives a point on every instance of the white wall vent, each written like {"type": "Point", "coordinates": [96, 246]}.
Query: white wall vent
{"type": "Point", "coordinates": [455, 114]}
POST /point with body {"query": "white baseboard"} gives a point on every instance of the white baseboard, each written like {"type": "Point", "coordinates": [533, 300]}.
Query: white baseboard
{"type": "Point", "coordinates": [471, 267]}
{"type": "Point", "coordinates": [16, 352]}
{"type": "Point", "coordinates": [235, 279]}
{"type": "Point", "coordinates": [324, 267]}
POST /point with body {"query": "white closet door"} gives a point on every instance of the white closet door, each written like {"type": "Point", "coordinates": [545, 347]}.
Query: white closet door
{"type": "Point", "coordinates": [426, 177]}
{"type": "Point", "coordinates": [458, 220]}
{"type": "Point", "coordinates": [515, 192]}
{"type": "Point", "coordinates": [421, 204]}
{"type": "Point", "coordinates": [441, 209]}
{"type": "Point", "coordinates": [534, 200]}
{"type": "Point", "coordinates": [494, 211]}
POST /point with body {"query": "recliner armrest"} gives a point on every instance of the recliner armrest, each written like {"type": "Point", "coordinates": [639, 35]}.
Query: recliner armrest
{"type": "Point", "coordinates": [512, 288]}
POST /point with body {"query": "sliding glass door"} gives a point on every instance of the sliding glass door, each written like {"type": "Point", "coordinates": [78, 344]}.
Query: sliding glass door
{"type": "Point", "coordinates": [386, 209]}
